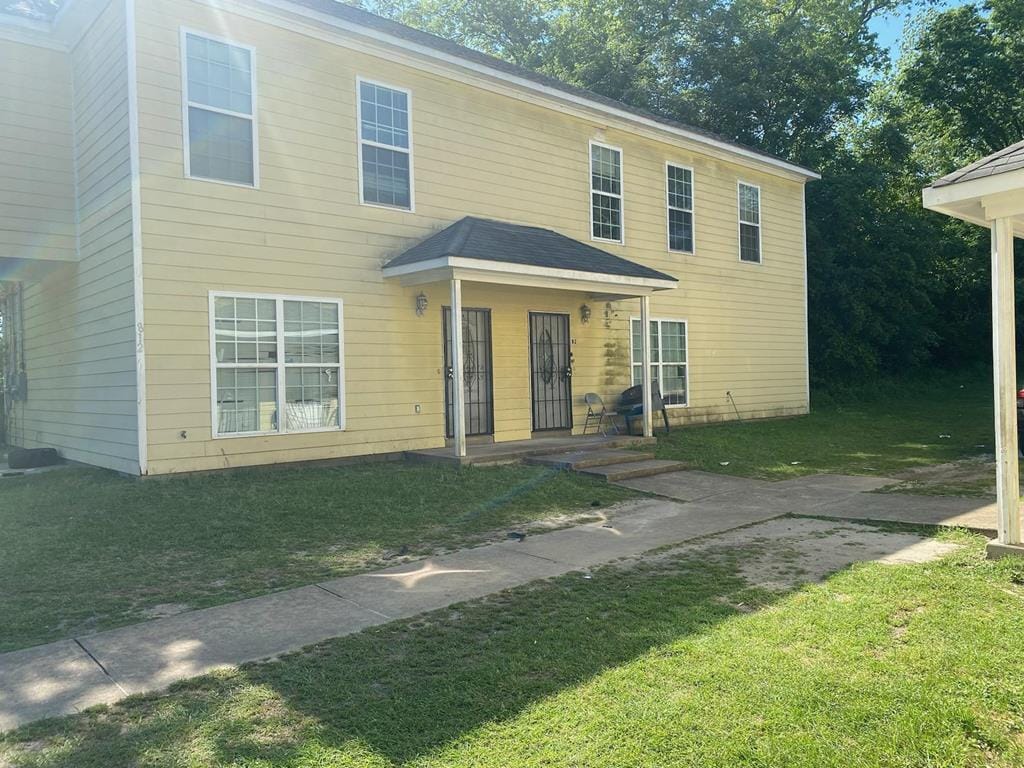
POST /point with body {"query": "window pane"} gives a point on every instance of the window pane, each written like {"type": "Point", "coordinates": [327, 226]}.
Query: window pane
{"type": "Point", "coordinates": [220, 146]}
{"type": "Point", "coordinates": [311, 332]}
{"type": "Point", "coordinates": [673, 342]}
{"type": "Point", "coordinates": [750, 204]}
{"type": "Point", "coordinates": [680, 187]}
{"type": "Point", "coordinates": [311, 396]}
{"type": "Point", "coordinates": [605, 170]}
{"type": "Point", "coordinates": [384, 115]}
{"type": "Point", "coordinates": [219, 75]}
{"type": "Point", "coordinates": [386, 177]}
{"type": "Point", "coordinates": [680, 230]}
{"type": "Point", "coordinates": [245, 330]}
{"type": "Point", "coordinates": [607, 213]}
{"type": "Point", "coordinates": [674, 384]}
{"type": "Point", "coordinates": [750, 243]}
{"type": "Point", "coordinates": [246, 400]}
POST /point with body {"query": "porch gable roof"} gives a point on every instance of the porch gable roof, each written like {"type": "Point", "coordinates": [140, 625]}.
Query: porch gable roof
{"type": "Point", "coordinates": [487, 245]}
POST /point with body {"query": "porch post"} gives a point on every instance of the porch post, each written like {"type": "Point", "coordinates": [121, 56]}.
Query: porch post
{"type": "Point", "coordinates": [458, 388]}
{"type": "Point", "coordinates": [1004, 363]}
{"type": "Point", "coordinates": [645, 368]}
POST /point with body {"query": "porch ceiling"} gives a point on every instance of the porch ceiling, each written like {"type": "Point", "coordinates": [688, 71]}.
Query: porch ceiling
{"type": "Point", "coordinates": [482, 250]}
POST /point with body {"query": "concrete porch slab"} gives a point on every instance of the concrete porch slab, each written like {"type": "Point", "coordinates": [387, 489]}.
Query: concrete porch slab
{"type": "Point", "coordinates": [150, 656]}
{"type": "Point", "coordinates": [50, 680]}
{"type": "Point", "coordinates": [995, 551]}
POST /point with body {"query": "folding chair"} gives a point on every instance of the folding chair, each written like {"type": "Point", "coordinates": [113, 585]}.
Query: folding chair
{"type": "Point", "coordinates": [597, 413]}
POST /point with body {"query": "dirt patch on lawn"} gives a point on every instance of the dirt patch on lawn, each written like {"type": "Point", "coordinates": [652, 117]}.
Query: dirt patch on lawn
{"type": "Point", "coordinates": [784, 553]}
{"type": "Point", "coordinates": [968, 477]}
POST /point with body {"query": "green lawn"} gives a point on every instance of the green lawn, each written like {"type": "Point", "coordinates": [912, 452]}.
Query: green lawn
{"type": "Point", "coordinates": [82, 550]}
{"type": "Point", "coordinates": [677, 662]}
{"type": "Point", "coordinates": [883, 434]}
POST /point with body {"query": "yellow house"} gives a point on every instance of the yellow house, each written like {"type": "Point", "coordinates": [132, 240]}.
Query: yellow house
{"type": "Point", "coordinates": [233, 232]}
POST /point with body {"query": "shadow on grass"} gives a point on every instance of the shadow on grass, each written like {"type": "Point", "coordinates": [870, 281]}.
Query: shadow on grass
{"type": "Point", "coordinates": [401, 690]}
{"type": "Point", "coordinates": [410, 690]}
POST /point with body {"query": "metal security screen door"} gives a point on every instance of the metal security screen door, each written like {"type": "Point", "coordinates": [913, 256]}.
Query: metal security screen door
{"type": "Point", "coordinates": [476, 371]}
{"type": "Point", "coordinates": [550, 371]}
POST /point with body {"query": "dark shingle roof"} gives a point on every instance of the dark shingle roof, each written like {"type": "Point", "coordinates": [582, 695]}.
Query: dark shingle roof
{"type": "Point", "coordinates": [1005, 160]}
{"type": "Point", "coordinates": [379, 23]}
{"type": "Point", "coordinates": [474, 238]}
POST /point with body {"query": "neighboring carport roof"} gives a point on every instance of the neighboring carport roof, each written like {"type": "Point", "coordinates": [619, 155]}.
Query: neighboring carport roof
{"type": "Point", "coordinates": [1008, 159]}
{"type": "Point", "coordinates": [496, 241]}
{"type": "Point", "coordinates": [988, 189]}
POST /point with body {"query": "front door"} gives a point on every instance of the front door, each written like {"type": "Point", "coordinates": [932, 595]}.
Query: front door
{"type": "Point", "coordinates": [550, 371]}
{"type": "Point", "coordinates": [476, 371]}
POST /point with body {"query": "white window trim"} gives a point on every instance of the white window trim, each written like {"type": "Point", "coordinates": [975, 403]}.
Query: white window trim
{"type": "Point", "coordinates": [686, 335]}
{"type": "Point", "coordinates": [692, 210]}
{"type": "Point", "coordinates": [279, 366]}
{"type": "Point", "coordinates": [360, 141]}
{"type": "Point", "coordinates": [621, 196]}
{"type": "Point", "coordinates": [739, 221]}
{"type": "Point", "coordinates": [186, 103]}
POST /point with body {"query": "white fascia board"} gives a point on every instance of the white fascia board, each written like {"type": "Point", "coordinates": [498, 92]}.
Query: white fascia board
{"type": "Point", "coordinates": [483, 270]}
{"type": "Point", "coordinates": [567, 101]}
{"type": "Point", "coordinates": [961, 191]}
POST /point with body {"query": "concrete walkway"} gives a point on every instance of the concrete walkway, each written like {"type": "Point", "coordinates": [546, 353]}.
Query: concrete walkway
{"type": "Point", "coordinates": [69, 675]}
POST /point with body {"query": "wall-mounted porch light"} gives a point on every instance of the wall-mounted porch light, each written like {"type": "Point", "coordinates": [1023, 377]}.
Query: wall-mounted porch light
{"type": "Point", "coordinates": [421, 304]}
{"type": "Point", "coordinates": [584, 313]}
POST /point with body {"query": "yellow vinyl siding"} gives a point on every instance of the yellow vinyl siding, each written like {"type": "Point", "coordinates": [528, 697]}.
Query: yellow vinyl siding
{"type": "Point", "coordinates": [475, 152]}
{"type": "Point", "coordinates": [37, 182]}
{"type": "Point", "coordinates": [78, 318]}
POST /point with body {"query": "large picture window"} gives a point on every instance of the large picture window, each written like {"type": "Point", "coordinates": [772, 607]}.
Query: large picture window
{"type": "Point", "coordinates": [605, 193]}
{"type": "Point", "coordinates": [750, 223]}
{"type": "Point", "coordinates": [669, 367]}
{"type": "Point", "coordinates": [275, 355]}
{"type": "Point", "coordinates": [219, 110]}
{"type": "Point", "coordinates": [679, 184]}
{"type": "Point", "coordinates": [385, 146]}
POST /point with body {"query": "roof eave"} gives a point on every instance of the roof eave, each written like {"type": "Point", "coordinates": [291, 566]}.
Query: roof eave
{"type": "Point", "coordinates": [509, 273]}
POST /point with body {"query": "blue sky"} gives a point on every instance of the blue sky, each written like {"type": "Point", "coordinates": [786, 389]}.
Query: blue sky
{"type": "Point", "coordinates": [889, 27]}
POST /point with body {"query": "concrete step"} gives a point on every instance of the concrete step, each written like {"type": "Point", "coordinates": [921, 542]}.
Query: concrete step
{"type": "Point", "coordinates": [584, 459]}
{"type": "Point", "coordinates": [615, 472]}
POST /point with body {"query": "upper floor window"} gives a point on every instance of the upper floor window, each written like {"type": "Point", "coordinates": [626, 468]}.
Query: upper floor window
{"type": "Point", "coordinates": [220, 110]}
{"type": "Point", "coordinates": [605, 193]}
{"type": "Point", "coordinates": [385, 146]}
{"type": "Point", "coordinates": [680, 208]}
{"type": "Point", "coordinates": [750, 223]}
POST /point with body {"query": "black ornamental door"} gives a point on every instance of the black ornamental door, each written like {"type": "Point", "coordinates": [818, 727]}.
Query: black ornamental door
{"type": "Point", "coordinates": [550, 371]}
{"type": "Point", "coordinates": [476, 372]}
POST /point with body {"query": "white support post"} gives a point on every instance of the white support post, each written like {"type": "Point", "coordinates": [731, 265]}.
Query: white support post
{"type": "Point", "coordinates": [1004, 363]}
{"type": "Point", "coordinates": [645, 325]}
{"type": "Point", "coordinates": [458, 385]}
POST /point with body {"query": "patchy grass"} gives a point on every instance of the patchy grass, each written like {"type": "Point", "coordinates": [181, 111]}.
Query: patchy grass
{"type": "Point", "coordinates": [677, 662]}
{"type": "Point", "coordinates": [887, 433]}
{"type": "Point", "coordinates": [84, 550]}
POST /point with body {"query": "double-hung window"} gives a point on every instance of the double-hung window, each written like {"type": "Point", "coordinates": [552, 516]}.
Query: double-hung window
{"type": "Point", "coordinates": [668, 358]}
{"type": "Point", "coordinates": [750, 223]}
{"type": "Point", "coordinates": [605, 193]}
{"type": "Point", "coordinates": [679, 184]}
{"type": "Point", "coordinates": [385, 146]}
{"type": "Point", "coordinates": [277, 364]}
{"type": "Point", "coordinates": [219, 110]}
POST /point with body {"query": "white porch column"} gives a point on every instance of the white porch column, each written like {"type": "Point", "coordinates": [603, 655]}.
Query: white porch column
{"type": "Point", "coordinates": [645, 325]}
{"type": "Point", "coordinates": [1004, 363]}
{"type": "Point", "coordinates": [458, 385]}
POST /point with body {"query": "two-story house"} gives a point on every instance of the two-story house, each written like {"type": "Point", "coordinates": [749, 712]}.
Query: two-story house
{"type": "Point", "coordinates": [233, 232]}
